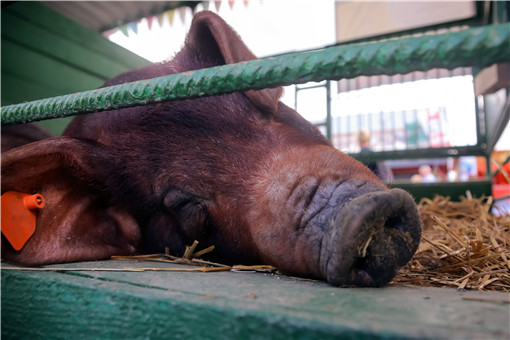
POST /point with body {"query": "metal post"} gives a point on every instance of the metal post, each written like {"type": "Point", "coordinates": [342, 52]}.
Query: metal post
{"type": "Point", "coordinates": [328, 110]}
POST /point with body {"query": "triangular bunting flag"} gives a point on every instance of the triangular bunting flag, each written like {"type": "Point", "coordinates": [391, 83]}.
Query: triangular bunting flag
{"type": "Point", "coordinates": [161, 19]}
{"type": "Point", "coordinates": [171, 14]}
{"type": "Point", "coordinates": [124, 29]}
{"type": "Point", "coordinates": [182, 13]}
{"type": "Point", "coordinates": [217, 4]}
{"type": "Point", "coordinates": [133, 27]}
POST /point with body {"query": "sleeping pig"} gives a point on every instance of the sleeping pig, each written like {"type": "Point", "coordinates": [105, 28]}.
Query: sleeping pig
{"type": "Point", "coordinates": [240, 171]}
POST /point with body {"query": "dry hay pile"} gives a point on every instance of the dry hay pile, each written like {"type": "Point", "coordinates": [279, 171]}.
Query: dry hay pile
{"type": "Point", "coordinates": [463, 245]}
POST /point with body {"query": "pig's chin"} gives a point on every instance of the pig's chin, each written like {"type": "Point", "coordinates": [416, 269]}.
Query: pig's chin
{"type": "Point", "coordinates": [367, 238]}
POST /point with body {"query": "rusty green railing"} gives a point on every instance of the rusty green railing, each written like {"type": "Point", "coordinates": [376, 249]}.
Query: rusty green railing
{"type": "Point", "coordinates": [471, 47]}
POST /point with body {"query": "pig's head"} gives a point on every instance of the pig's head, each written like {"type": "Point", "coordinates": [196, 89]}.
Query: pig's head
{"type": "Point", "coordinates": [241, 171]}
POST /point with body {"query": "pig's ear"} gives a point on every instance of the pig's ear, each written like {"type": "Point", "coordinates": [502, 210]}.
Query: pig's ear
{"type": "Point", "coordinates": [77, 222]}
{"type": "Point", "coordinates": [213, 38]}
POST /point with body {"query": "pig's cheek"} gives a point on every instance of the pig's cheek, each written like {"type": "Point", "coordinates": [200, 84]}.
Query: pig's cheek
{"type": "Point", "coordinates": [127, 227]}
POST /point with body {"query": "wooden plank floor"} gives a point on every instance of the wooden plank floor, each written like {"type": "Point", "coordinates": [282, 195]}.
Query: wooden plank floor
{"type": "Point", "coordinates": [234, 305]}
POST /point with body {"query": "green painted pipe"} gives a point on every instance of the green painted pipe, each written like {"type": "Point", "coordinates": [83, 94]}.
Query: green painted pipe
{"type": "Point", "coordinates": [479, 46]}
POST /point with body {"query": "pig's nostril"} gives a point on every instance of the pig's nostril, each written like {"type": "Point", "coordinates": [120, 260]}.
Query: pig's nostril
{"type": "Point", "coordinates": [360, 273]}
{"type": "Point", "coordinates": [395, 222]}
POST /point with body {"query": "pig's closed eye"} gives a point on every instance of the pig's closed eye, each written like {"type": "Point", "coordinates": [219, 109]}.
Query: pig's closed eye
{"type": "Point", "coordinates": [190, 212]}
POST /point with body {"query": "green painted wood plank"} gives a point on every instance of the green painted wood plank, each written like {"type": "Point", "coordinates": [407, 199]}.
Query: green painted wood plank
{"type": "Point", "coordinates": [27, 64]}
{"type": "Point", "coordinates": [52, 45]}
{"type": "Point", "coordinates": [45, 55]}
{"type": "Point", "coordinates": [42, 16]}
{"type": "Point", "coordinates": [15, 89]}
{"type": "Point", "coordinates": [240, 305]}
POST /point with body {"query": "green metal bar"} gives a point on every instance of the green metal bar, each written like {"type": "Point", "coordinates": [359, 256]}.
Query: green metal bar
{"type": "Point", "coordinates": [309, 87]}
{"type": "Point", "coordinates": [442, 152]}
{"type": "Point", "coordinates": [455, 190]}
{"type": "Point", "coordinates": [328, 111]}
{"type": "Point", "coordinates": [499, 127]}
{"type": "Point", "coordinates": [481, 120]}
{"type": "Point", "coordinates": [472, 47]}
{"type": "Point", "coordinates": [327, 122]}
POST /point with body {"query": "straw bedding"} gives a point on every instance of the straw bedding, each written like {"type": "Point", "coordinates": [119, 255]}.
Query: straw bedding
{"type": "Point", "coordinates": [463, 245]}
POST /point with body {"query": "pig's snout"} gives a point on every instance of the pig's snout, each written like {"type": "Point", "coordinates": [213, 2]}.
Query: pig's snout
{"type": "Point", "coordinates": [370, 238]}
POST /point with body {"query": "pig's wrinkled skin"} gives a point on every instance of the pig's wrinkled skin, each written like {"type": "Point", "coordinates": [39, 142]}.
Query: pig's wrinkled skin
{"type": "Point", "coordinates": [240, 171]}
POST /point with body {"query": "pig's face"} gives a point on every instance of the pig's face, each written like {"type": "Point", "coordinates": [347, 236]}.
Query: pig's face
{"type": "Point", "coordinates": [240, 171]}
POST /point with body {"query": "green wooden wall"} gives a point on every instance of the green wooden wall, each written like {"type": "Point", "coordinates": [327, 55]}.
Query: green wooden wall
{"type": "Point", "coordinates": [45, 54]}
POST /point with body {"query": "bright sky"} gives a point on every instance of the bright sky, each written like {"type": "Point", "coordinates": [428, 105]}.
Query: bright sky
{"type": "Point", "coordinates": [272, 27]}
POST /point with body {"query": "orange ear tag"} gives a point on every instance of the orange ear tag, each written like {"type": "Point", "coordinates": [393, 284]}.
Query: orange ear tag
{"type": "Point", "coordinates": [18, 216]}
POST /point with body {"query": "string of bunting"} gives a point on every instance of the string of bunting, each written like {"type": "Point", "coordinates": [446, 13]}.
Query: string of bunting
{"type": "Point", "coordinates": [170, 15]}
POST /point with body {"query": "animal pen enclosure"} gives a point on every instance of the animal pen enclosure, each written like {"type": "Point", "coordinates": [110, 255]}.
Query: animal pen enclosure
{"type": "Point", "coordinates": [104, 299]}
